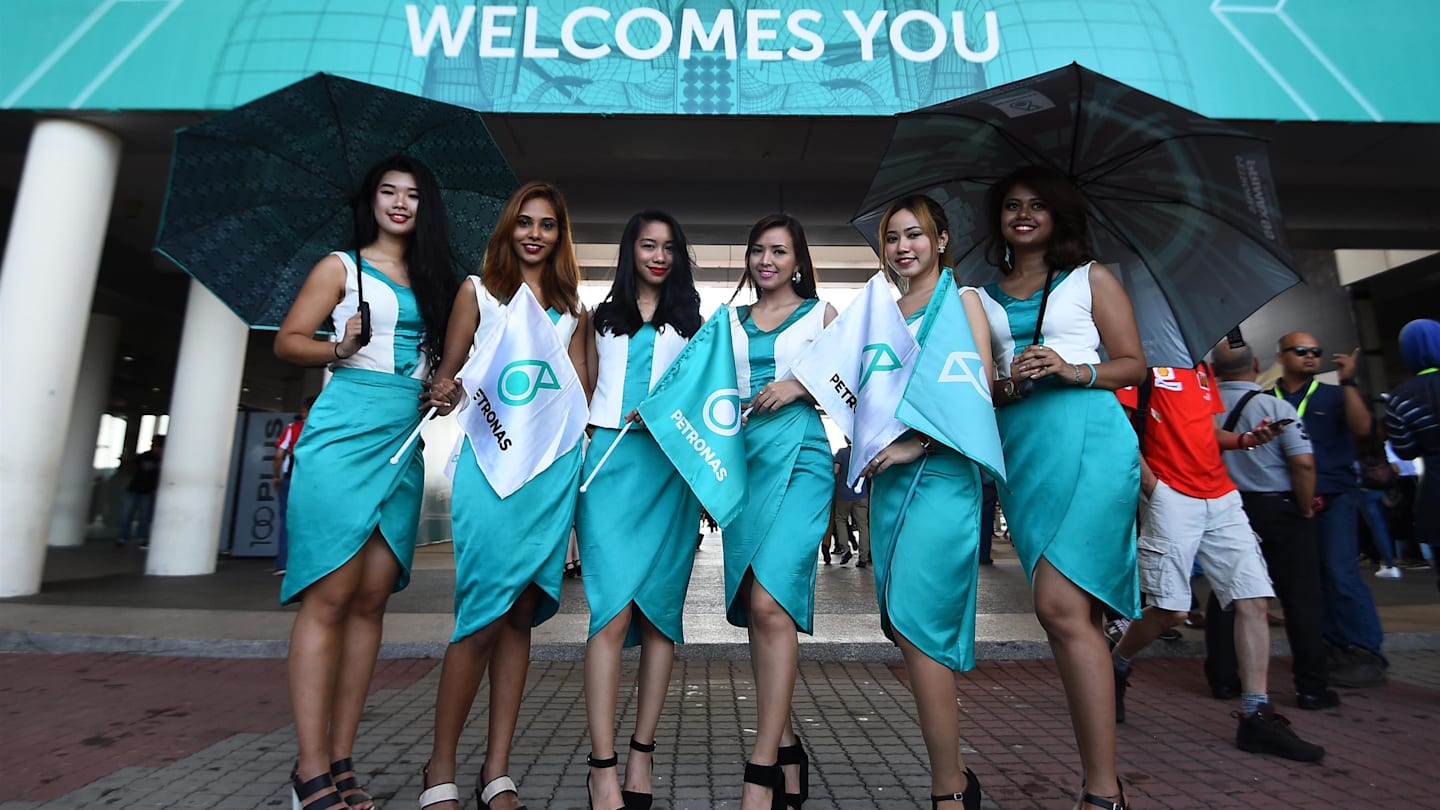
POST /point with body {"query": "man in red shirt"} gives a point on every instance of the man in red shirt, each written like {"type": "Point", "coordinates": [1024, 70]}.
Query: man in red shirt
{"type": "Point", "coordinates": [1191, 510]}
{"type": "Point", "coordinates": [284, 461]}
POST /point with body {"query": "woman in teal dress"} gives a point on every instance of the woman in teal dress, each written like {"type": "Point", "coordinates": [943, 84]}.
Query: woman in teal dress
{"type": "Point", "coordinates": [636, 520]}
{"type": "Point", "coordinates": [925, 519]}
{"type": "Point", "coordinates": [1071, 457]}
{"type": "Point", "coordinates": [770, 548]}
{"type": "Point", "coordinates": [352, 515]}
{"type": "Point", "coordinates": [510, 552]}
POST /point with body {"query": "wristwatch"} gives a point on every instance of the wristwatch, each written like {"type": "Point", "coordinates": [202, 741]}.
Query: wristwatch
{"type": "Point", "coordinates": [1350, 381]}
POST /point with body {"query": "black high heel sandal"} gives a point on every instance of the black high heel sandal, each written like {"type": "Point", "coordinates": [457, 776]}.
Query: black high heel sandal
{"type": "Point", "coordinates": [1102, 802]}
{"type": "Point", "coordinates": [634, 799]}
{"type": "Point", "coordinates": [303, 794]}
{"type": "Point", "coordinates": [770, 776]}
{"type": "Point", "coordinates": [609, 762]}
{"type": "Point", "coordinates": [349, 787]}
{"type": "Point", "coordinates": [969, 799]}
{"type": "Point", "coordinates": [795, 755]}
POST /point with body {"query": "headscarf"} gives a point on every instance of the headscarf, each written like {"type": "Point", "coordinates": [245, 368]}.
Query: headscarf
{"type": "Point", "coordinates": [1420, 344]}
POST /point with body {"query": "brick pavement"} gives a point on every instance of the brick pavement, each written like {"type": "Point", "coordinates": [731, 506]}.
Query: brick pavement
{"type": "Point", "coordinates": [121, 731]}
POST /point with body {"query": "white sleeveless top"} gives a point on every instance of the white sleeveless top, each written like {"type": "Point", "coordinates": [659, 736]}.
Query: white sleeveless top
{"type": "Point", "coordinates": [491, 309]}
{"type": "Point", "coordinates": [788, 345]}
{"type": "Point", "coordinates": [1069, 326]}
{"type": "Point", "coordinates": [614, 354]}
{"type": "Point", "coordinates": [379, 353]}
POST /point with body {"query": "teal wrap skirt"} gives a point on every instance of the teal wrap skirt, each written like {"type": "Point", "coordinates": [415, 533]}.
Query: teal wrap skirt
{"type": "Point", "coordinates": [343, 486]}
{"type": "Point", "coordinates": [502, 546]}
{"type": "Point", "coordinates": [636, 526]}
{"type": "Point", "coordinates": [925, 541]}
{"type": "Point", "coordinates": [1073, 469]}
{"type": "Point", "coordinates": [791, 483]}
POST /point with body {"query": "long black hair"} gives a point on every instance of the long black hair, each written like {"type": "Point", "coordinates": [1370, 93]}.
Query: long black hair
{"type": "Point", "coordinates": [427, 252]}
{"type": "Point", "coordinates": [679, 306]}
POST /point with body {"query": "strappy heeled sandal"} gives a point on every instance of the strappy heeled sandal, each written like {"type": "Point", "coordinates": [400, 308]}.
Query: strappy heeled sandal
{"type": "Point", "coordinates": [493, 788]}
{"type": "Point", "coordinates": [969, 799]}
{"type": "Point", "coordinates": [634, 799]}
{"type": "Point", "coordinates": [1102, 802]}
{"type": "Point", "coordinates": [349, 787]}
{"type": "Point", "coordinates": [305, 795]}
{"type": "Point", "coordinates": [795, 755]}
{"type": "Point", "coordinates": [435, 794]}
{"type": "Point", "coordinates": [608, 762]}
{"type": "Point", "coordinates": [771, 776]}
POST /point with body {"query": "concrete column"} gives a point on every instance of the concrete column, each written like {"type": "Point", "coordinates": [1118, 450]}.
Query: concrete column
{"type": "Point", "coordinates": [47, 281]}
{"type": "Point", "coordinates": [77, 465]}
{"type": "Point", "coordinates": [131, 446]}
{"type": "Point", "coordinates": [190, 504]}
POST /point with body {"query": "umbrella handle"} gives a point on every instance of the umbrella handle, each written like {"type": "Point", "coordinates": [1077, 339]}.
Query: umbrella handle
{"type": "Point", "coordinates": [364, 306]}
{"type": "Point", "coordinates": [364, 323]}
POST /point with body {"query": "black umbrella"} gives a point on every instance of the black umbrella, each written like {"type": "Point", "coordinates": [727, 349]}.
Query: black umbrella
{"type": "Point", "coordinates": [1181, 206]}
{"type": "Point", "coordinates": [259, 194]}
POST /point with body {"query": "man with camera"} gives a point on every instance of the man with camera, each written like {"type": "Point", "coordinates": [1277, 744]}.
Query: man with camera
{"type": "Point", "coordinates": [1335, 416]}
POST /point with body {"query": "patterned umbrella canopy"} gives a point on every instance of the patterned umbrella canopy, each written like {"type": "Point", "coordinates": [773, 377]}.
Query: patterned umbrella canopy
{"type": "Point", "coordinates": [259, 194]}
{"type": "Point", "coordinates": [1181, 206]}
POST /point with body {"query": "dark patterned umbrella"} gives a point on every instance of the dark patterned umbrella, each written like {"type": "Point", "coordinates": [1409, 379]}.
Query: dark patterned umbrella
{"type": "Point", "coordinates": [259, 194]}
{"type": "Point", "coordinates": [1181, 206]}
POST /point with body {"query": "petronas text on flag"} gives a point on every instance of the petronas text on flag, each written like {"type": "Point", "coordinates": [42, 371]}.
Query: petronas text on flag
{"type": "Point", "coordinates": [702, 447]}
{"type": "Point", "coordinates": [843, 390]}
{"type": "Point", "coordinates": [491, 419]}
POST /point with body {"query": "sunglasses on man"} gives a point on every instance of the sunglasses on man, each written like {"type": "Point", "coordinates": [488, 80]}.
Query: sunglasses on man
{"type": "Point", "coordinates": [1303, 351]}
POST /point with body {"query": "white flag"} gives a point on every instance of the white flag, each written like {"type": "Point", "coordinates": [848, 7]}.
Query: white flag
{"type": "Point", "coordinates": [526, 406]}
{"type": "Point", "coordinates": [857, 370]}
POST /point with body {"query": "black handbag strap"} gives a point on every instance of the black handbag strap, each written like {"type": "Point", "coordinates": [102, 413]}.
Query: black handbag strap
{"type": "Point", "coordinates": [1026, 386]}
{"type": "Point", "coordinates": [1141, 417]}
{"type": "Point", "coordinates": [1044, 300]}
{"type": "Point", "coordinates": [1233, 418]}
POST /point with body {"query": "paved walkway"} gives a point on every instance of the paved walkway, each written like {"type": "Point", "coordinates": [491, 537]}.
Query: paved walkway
{"type": "Point", "coordinates": [130, 731]}
{"type": "Point", "coordinates": [203, 719]}
{"type": "Point", "coordinates": [97, 599]}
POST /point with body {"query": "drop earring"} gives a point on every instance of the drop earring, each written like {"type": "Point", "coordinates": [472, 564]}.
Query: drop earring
{"type": "Point", "coordinates": [1009, 258]}
{"type": "Point", "coordinates": [795, 276]}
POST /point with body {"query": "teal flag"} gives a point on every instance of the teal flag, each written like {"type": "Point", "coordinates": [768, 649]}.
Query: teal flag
{"type": "Point", "coordinates": [948, 396]}
{"type": "Point", "coordinates": [694, 414]}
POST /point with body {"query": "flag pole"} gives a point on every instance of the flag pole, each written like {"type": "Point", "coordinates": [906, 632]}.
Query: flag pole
{"type": "Point", "coordinates": [608, 451]}
{"type": "Point", "coordinates": [414, 434]}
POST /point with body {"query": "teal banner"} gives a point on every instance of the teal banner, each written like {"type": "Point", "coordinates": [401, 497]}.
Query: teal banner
{"type": "Point", "coordinates": [1258, 59]}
